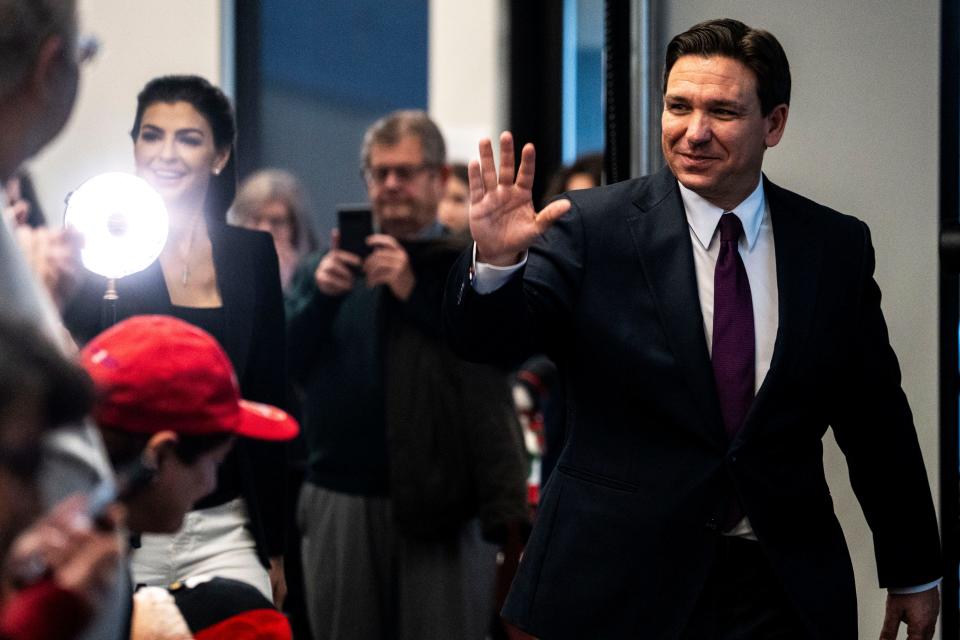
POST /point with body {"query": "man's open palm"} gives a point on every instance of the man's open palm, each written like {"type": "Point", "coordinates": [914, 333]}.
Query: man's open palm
{"type": "Point", "coordinates": [503, 221]}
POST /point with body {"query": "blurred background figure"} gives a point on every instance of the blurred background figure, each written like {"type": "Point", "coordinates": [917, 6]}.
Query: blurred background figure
{"type": "Point", "coordinates": [416, 473]}
{"type": "Point", "coordinates": [455, 204]}
{"type": "Point", "coordinates": [585, 173]}
{"type": "Point", "coordinates": [273, 200]}
{"type": "Point", "coordinates": [40, 58]}
{"type": "Point", "coordinates": [22, 205]}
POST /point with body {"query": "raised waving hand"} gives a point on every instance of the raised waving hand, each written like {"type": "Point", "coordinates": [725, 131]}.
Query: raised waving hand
{"type": "Point", "coordinates": [503, 221]}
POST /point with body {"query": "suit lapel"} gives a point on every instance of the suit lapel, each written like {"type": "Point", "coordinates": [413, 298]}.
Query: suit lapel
{"type": "Point", "coordinates": [799, 251]}
{"type": "Point", "coordinates": [662, 239]}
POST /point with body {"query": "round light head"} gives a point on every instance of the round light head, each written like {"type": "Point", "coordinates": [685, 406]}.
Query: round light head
{"type": "Point", "coordinates": [123, 222]}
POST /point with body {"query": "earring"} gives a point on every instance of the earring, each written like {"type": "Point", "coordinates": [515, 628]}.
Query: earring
{"type": "Point", "coordinates": [216, 171]}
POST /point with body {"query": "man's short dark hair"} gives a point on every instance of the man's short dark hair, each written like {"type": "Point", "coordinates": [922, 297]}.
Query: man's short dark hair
{"type": "Point", "coordinates": [757, 49]}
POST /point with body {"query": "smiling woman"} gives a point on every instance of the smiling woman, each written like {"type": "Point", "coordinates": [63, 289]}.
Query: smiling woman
{"type": "Point", "coordinates": [225, 280]}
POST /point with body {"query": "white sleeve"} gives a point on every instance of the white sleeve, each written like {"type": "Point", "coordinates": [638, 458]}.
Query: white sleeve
{"type": "Point", "coordinates": [488, 278]}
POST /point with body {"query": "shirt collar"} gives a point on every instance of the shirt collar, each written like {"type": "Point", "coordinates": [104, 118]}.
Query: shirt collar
{"type": "Point", "coordinates": [431, 231]}
{"type": "Point", "coordinates": [703, 217]}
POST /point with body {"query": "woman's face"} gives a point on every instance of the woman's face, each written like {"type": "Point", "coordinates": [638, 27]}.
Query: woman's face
{"type": "Point", "coordinates": [274, 217]}
{"type": "Point", "coordinates": [175, 152]}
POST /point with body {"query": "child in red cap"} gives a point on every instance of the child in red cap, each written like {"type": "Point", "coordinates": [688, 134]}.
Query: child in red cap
{"type": "Point", "coordinates": [169, 408]}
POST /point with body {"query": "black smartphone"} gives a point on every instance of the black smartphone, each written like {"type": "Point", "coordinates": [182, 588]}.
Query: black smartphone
{"type": "Point", "coordinates": [355, 222]}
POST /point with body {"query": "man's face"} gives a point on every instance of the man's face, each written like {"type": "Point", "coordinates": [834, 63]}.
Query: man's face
{"type": "Point", "coordinates": [714, 134]}
{"type": "Point", "coordinates": [404, 192]}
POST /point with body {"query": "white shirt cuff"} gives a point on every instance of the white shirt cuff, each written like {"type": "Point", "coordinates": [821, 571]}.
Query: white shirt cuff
{"type": "Point", "coordinates": [900, 591]}
{"type": "Point", "coordinates": [487, 278]}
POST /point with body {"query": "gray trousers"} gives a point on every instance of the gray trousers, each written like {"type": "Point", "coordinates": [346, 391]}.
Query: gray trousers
{"type": "Point", "coordinates": [366, 581]}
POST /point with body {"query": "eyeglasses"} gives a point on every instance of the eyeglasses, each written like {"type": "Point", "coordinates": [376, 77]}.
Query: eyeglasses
{"type": "Point", "coordinates": [87, 48]}
{"type": "Point", "coordinates": [404, 172]}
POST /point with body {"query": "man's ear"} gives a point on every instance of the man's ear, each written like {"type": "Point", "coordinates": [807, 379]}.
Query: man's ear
{"type": "Point", "coordinates": [46, 69]}
{"type": "Point", "coordinates": [159, 447]}
{"type": "Point", "coordinates": [776, 122]}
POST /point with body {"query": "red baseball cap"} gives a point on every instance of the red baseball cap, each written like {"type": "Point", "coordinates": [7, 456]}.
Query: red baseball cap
{"type": "Point", "coordinates": [157, 373]}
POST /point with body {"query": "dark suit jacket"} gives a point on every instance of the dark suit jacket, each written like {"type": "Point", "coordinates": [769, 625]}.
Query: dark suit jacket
{"type": "Point", "coordinates": [254, 338]}
{"type": "Point", "coordinates": [628, 526]}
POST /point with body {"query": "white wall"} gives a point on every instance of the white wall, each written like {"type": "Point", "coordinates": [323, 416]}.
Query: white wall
{"type": "Point", "coordinates": [468, 85]}
{"type": "Point", "coordinates": [862, 137]}
{"type": "Point", "coordinates": [139, 40]}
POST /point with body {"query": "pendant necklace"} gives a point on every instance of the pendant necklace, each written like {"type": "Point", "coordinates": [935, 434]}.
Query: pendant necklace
{"type": "Point", "coordinates": [185, 258]}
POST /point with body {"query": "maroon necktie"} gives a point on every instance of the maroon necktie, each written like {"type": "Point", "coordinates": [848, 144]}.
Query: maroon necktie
{"type": "Point", "coordinates": [733, 336]}
{"type": "Point", "coordinates": [733, 340]}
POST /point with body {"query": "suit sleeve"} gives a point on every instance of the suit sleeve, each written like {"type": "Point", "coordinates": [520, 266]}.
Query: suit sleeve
{"type": "Point", "coordinates": [528, 314]}
{"type": "Point", "coordinates": [874, 427]}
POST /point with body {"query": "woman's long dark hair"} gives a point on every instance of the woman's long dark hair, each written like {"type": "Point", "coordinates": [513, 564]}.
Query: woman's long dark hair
{"type": "Point", "coordinates": [213, 105]}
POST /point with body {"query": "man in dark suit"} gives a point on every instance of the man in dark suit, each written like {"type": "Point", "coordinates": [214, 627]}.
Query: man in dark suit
{"type": "Point", "coordinates": [710, 326]}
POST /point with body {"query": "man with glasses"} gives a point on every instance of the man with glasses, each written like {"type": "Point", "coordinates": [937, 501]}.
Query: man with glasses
{"type": "Point", "coordinates": [414, 461]}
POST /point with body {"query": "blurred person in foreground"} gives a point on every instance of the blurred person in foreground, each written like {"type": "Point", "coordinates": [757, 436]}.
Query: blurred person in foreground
{"type": "Point", "coordinates": [702, 370]}
{"type": "Point", "coordinates": [40, 58]}
{"type": "Point", "coordinates": [273, 200]}
{"type": "Point", "coordinates": [57, 572]}
{"type": "Point", "coordinates": [225, 280]}
{"type": "Point", "coordinates": [169, 409]}
{"type": "Point", "coordinates": [415, 473]}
